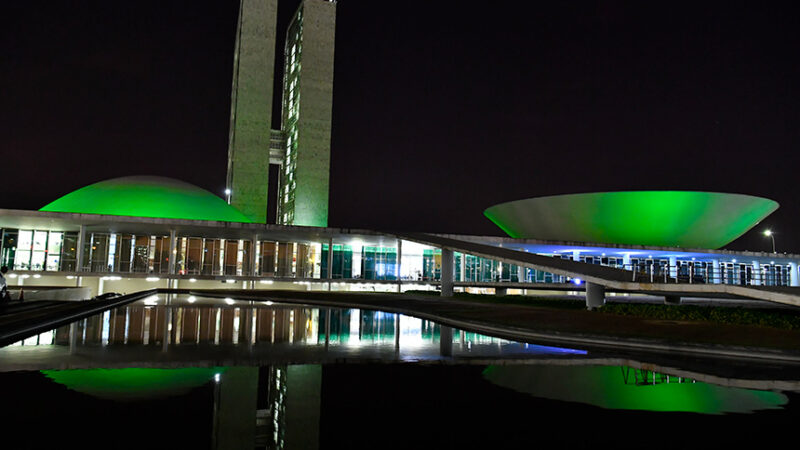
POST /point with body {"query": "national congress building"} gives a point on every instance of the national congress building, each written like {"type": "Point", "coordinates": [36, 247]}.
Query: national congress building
{"type": "Point", "coordinates": [126, 234]}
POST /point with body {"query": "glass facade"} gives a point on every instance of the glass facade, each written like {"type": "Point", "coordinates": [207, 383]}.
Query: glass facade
{"type": "Point", "coordinates": [291, 114]}
{"type": "Point", "coordinates": [40, 250]}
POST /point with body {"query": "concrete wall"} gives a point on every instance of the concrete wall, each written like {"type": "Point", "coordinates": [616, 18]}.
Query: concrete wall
{"type": "Point", "coordinates": [251, 108]}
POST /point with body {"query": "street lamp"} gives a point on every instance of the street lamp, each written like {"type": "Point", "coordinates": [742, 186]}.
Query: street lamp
{"type": "Point", "coordinates": [772, 236]}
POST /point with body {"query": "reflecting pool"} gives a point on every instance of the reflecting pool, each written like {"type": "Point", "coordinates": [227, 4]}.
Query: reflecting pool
{"type": "Point", "coordinates": [190, 371]}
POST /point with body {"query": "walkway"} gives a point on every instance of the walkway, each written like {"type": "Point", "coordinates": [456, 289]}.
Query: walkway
{"type": "Point", "coordinates": [606, 277]}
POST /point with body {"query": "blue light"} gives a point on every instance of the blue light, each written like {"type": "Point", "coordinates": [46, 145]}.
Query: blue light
{"type": "Point", "coordinates": [576, 281]}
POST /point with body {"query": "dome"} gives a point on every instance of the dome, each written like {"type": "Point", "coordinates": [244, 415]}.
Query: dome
{"type": "Point", "coordinates": [147, 196]}
{"type": "Point", "coordinates": [133, 383]}
{"type": "Point", "coordinates": [686, 219]}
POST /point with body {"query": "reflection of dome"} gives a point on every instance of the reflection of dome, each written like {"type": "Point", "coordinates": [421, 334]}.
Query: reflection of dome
{"type": "Point", "coordinates": [146, 196]}
{"type": "Point", "coordinates": [657, 218]}
{"type": "Point", "coordinates": [133, 383]}
{"type": "Point", "coordinates": [610, 387]}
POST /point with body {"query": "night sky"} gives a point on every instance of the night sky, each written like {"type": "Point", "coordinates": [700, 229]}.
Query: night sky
{"type": "Point", "coordinates": [441, 109]}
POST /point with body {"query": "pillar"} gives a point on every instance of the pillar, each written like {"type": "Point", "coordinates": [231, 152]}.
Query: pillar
{"type": "Point", "coordinates": [501, 291]}
{"type": "Point", "coordinates": [595, 295]}
{"type": "Point", "coordinates": [576, 255]}
{"type": "Point", "coordinates": [73, 338]}
{"type": "Point", "coordinates": [173, 252]}
{"type": "Point", "coordinates": [463, 267]}
{"type": "Point", "coordinates": [673, 267]}
{"type": "Point", "coordinates": [252, 256]}
{"type": "Point", "coordinates": [521, 274]}
{"type": "Point", "coordinates": [716, 274]}
{"type": "Point", "coordinates": [330, 262]}
{"type": "Point", "coordinates": [447, 272]}
{"type": "Point", "coordinates": [445, 341]}
{"type": "Point", "coordinates": [626, 261]}
{"type": "Point", "coordinates": [79, 251]}
{"type": "Point", "coordinates": [399, 263]}
{"type": "Point", "coordinates": [793, 280]}
{"type": "Point", "coordinates": [756, 279]}
{"type": "Point", "coordinates": [672, 300]}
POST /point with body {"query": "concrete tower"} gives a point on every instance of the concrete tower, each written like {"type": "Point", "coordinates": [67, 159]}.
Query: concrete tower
{"type": "Point", "coordinates": [251, 108]}
{"type": "Point", "coordinates": [306, 116]}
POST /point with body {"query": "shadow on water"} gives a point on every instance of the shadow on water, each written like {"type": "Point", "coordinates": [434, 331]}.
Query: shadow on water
{"type": "Point", "coordinates": [205, 373]}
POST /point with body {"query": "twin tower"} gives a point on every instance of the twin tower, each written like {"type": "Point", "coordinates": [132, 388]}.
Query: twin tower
{"type": "Point", "coordinates": [301, 148]}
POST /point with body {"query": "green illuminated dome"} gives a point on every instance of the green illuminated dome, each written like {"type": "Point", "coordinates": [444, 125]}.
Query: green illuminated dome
{"type": "Point", "coordinates": [146, 196]}
{"type": "Point", "coordinates": [655, 218]}
{"type": "Point", "coordinates": [133, 383]}
{"type": "Point", "coordinates": [609, 387]}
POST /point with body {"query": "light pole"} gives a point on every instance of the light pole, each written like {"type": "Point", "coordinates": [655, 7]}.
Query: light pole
{"type": "Point", "coordinates": [772, 236]}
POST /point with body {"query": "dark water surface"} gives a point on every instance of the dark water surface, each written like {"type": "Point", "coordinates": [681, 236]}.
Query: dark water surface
{"type": "Point", "coordinates": [193, 372]}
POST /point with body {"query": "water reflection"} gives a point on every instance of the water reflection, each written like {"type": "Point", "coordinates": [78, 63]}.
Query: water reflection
{"type": "Point", "coordinates": [269, 376]}
{"type": "Point", "coordinates": [178, 324]}
{"type": "Point", "coordinates": [304, 406]}
{"type": "Point", "coordinates": [631, 389]}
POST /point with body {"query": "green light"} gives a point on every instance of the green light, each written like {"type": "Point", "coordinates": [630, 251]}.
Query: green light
{"type": "Point", "coordinates": [133, 383]}
{"type": "Point", "coordinates": [147, 197]}
{"type": "Point", "coordinates": [654, 218]}
{"type": "Point", "coordinates": [606, 387]}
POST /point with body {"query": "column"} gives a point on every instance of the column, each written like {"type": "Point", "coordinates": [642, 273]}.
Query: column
{"type": "Point", "coordinates": [79, 253]}
{"type": "Point", "coordinates": [397, 333]}
{"type": "Point", "coordinates": [626, 261]}
{"type": "Point", "coordinates": [447, 272]}
{"type": "Point", "coordinates": [756, 278]}
{"type": "Point", "coordinates": [399, 262]}
{"type": "Point", "coordinates": [445, 341]}
{"type": "Point", "coordinates": [793, 279]}
{"type": "Point", "coordinates": [463, 267]}
{"type": "Point", "coordinates": [673, 267]}
{"type": "Point", "coordinates": [330, 262]}
{"type": "Point", "coordinates": [716, 274]}
{"type": "Point", "coordinates": [521, 274]}
{"type": "Point", "coordinates": [595, 295]}
{"type": "Point", "coordinates": [576, 255]}
{"type": "Point", "coordinates": [173, 253]}
{"type": "Point", "coordinates": [252, 256]}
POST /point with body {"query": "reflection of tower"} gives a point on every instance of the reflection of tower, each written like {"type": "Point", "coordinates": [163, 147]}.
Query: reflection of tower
{"type": "Point", "coordinates": [302, 146]}
{"type": "Point", "coordinates": [306, 115]}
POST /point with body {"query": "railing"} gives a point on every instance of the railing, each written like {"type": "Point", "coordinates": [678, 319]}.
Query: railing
{"type": "Point", "coordinates": [683, 274]}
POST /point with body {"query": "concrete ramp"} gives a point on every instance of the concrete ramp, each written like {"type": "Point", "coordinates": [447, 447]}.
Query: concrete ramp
{"type": "Point", "coordinates": [608, 277]}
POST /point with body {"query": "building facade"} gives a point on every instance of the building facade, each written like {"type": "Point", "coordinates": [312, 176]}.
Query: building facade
{"type": "Point", "coordinates": [304, 138]}
{"type": "Point", "coordinates": [307, 111]}
{"type": "Point", "coordinates": [251, 108]}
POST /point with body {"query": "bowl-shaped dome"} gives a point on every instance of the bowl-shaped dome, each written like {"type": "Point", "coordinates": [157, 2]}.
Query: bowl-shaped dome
{"type": "Point", "coordinates": [146, 196]}
{"type": "Point", "coordinates": [133, 383]}
{"type": "Point", "coordinates": [653, 218]}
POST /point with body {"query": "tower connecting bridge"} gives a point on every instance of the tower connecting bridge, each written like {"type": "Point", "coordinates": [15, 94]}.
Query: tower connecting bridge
{"type": "Point", "coordinates": [301, 147]}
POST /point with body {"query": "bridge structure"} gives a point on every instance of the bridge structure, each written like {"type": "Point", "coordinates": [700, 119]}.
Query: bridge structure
{"type": "Point", "coordinates": [597, 278]}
